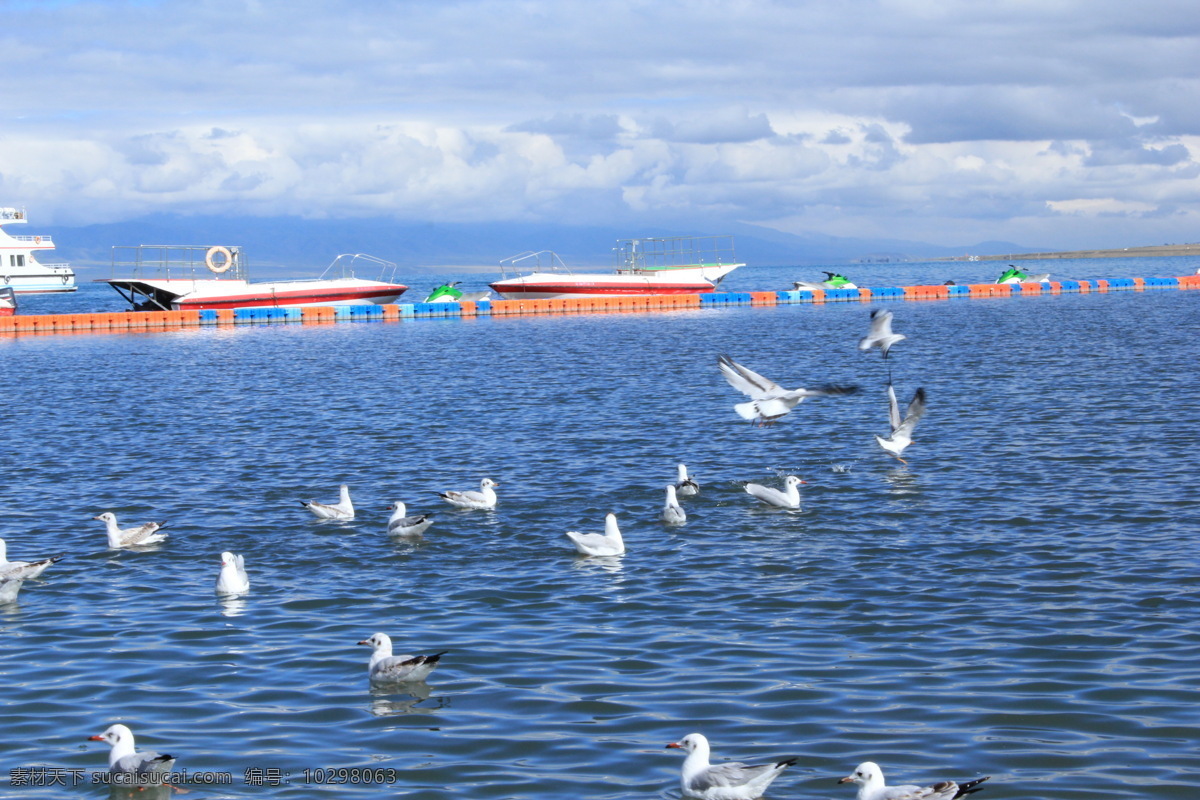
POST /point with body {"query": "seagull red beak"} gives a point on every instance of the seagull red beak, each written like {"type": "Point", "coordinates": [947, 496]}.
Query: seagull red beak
{"type": "Point", "coordinates": [674, 744]}
{"type": "Point", "coordinates": [847, 779]}
{"type": "Point", "coordinates": [95, 738]}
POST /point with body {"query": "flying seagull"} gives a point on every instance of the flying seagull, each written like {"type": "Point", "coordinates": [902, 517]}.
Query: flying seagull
{"type": "Point", "coordinates": [902, 429]}
{"type": "Point", "coordinates": [768, 400]}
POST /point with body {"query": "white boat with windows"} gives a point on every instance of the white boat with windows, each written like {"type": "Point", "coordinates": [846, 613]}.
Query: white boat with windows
{"type": "Point", "coordinates": [670, 265]}
{"type": "Point", "coordinates": [20, 270]}
{"type": "Point", "coordinates": [175, 277]}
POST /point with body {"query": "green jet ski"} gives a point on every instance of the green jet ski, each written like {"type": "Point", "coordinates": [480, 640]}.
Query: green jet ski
{"type": "Point", "coordinates": [832, 281]}
{"type": "Point", "coordinates": [449, 293]}
{"type": "Point", "coordinates": [1014, 275]}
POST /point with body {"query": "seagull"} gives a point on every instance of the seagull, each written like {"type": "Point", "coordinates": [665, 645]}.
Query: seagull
{"type": "Point", "coordinates": [9, 589]}
{"type": "Point", "coordinates": [729, 781]}
{"type": "Point", "coordinates": [484, 498]}
{"type": "Point", "coordinates": [769, 400]}
{"type": "Point", "coordinates": [402, 525]}
{"type": "Point", "coordinates": [789, 498]}
{"type": "Point", "coordinates": [123, 758]}
{"type": "Point", "coordinates": [342, 509]}
{"type": "Point", "coordinates": [233, 578]}
{"type": "Point", "coordinates": [608, 543]}
{"type": "Point", "coordinates": [130, 537]}
{"type": "Point", "coordinates": [869, 778]}
{"type": "Point", "coordinates": [686, 486]}
{"type": "Point", "coordinates": [902, 430]}
{"type": "Point", "coordinates": [880, 335]}
{"type": "Point", "coordinates": [672, 512]}
{"type": "Point", "coordinates": [24, 569]}
{"type": "Point", "coordinates": [387, 668]}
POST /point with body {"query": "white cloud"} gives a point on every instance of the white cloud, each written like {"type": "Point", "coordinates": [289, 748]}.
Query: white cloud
{"type": "Point", "coordinates": [1099, 206]}
{"type": "Point", "coordinates": [911, 118]}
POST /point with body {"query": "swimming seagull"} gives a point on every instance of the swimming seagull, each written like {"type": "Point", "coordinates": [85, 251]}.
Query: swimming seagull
{"type": "Point", "coordinates": [402, 525]}
{"type": "Point", "coordinates": [233, 578]}
{"type": "Point", "coordinates": [484, 498]}
{"type": "Point", "coordinates": [686, 486]}
{"type": "Point", "coordinates": [387, 668]}
{"type": "Point", "coordinates": [730, 781]}
{"type": "Point", "coordinates": [769, 401]}
{"type": "Point", "coordinates": [869, 778]}
{"type": "Point", "coordinates": [789, 498]}
{"type": "Point", "coordinates": [24, 569]}
{"type": "Point", "coordinates": [342, 509]}
{"type": "Point", "coordinates": [880, 335]}
{"type": "Point", "coordinates": [124, 759]}
{"type": "Point", "coordinates": [902, 429]}
{"type": "Point", "coordinates": [130, 537]}
{"type": "Point", "coordinates": [608, 543]}
{"type": "Point", "coordinates": [672, 512]}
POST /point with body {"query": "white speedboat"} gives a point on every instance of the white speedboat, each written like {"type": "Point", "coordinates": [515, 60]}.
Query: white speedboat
{"type": "Point", "coordinates": [176, 277]}
{"type": "Point", "coordinates": [19, 270]}
{"type": "Point", "coordinates": [676, 265]}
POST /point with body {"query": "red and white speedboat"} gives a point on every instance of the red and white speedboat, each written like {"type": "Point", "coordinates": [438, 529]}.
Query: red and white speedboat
{"type": "Point", "coordinates": [676, 265]}
{"type": "Point", "coordinates": [175, 277]}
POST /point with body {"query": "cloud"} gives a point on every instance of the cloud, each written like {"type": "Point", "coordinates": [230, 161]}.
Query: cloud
{"type": "Point", "coordinates": [717, 126]}
{"type": "Point", "coordinates": [1100, 206]}
{"type": "Point", "coordinates": [1134, 152]}
{"type": "Point", "coordinates": [599, 127]}
{"type": "Point", "coordinates": [930, 118]}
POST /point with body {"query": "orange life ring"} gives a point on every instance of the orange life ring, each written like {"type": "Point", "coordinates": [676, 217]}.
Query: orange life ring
{"type": "Point", "coordinates": [37, 240]}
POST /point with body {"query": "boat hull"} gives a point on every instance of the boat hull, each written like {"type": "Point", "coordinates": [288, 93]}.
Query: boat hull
{"type": "Point", "coordinates": [218, 294]}
{"type": "Point", "coordinates": [41, 283]}
{"type": "Point", "coordinates": [554, 285]}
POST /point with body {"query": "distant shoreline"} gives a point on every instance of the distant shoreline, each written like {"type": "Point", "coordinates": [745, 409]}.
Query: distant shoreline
{"type": "Point", "coordinates": [1125, 252]}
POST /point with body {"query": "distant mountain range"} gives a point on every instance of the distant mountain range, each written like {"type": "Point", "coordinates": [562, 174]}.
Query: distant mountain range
{"type": "Point", "coordinates": [301, 247]}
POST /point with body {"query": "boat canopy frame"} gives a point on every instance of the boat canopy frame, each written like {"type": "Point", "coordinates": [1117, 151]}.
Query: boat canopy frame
{"type": "Point", "coordinates": [175, 262]}
{"type": "Point", "coordinates": [648, 255]}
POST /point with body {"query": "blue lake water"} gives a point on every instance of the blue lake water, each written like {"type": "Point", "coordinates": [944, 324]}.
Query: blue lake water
{"type": "Point", "coordinates": [1020, 600]}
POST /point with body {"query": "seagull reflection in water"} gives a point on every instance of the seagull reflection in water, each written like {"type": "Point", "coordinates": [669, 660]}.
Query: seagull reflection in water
{"type": "Point", "coordinates": [902, 482]}
{"type": "Point", "coordinates": [387, 702]}
{"type": "Point", "coordinates": [232, 605]}
{"type": "Point", "coordinates": [609, 564]}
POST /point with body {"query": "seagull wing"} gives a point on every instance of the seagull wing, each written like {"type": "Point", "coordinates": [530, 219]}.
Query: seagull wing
{"type": "Point", "coordinates": [406, 667]}
{"type": "Point", "coordinates": [831, 390]}
{"type": "Point", "coordinates": [881, 324]}
{"type": "Point", "coordinates": [946, 790]}
{"type": "Point", "coordinates": [745, 380]}
{"type": "Point", "coordinates": [143, 534]}
{"type": "Point", "coordinates": [893, 410]}
{"type": "Point", "coordinates": [912, 415]}
{"type": "Point", "coordinates": [732, 773]}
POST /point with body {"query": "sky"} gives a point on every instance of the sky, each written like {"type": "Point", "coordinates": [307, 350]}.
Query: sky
{"type": "Point", "coordinates": [1061, 124]}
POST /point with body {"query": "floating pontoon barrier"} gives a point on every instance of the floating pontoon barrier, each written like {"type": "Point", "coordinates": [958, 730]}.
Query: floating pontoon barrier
{"type": "Point", "coordinates": [154, 320]}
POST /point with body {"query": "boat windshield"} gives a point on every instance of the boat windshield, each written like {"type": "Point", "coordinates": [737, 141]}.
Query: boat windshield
{"type": "Point", "coordinates": [535, 261]}
{"type": "Point", "coordinates": [348, 265]}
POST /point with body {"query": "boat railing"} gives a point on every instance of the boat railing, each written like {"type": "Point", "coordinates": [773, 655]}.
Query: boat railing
{"type": "Point", "coordinates": [42, 240]}
{"type": "Point", "coordinates": [178, 262]}
{"type": "Point", "coordinates": [535, 260]}
{"type": "Point", "coordinates": [652, 254]}
{"type": "Point", "coordinates": [346, 265]}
